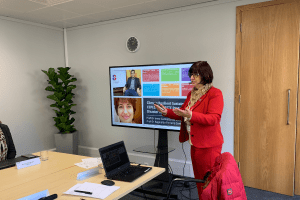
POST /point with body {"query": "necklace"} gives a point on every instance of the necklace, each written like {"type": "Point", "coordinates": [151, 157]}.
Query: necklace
{"type": "Point", "coordinates": [198, 93]}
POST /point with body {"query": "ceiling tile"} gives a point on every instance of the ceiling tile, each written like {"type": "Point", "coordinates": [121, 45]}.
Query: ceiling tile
{"type": "Point", "coordinates": [83, 20]}
{"type": "Point", "coordinates": [32, 18]}
{"type": "Point", "coordinates": [77, 6]}
{"type": "Point", "coordinates": [50, 2]}
{"type": "Point", "coordinates": [21, 5]}
{"type": "Point", "coordinates": [169, 4]}
{"type": "Point", "coordinates": [70, 13]}
{"type": "Point", "coordinates": [203, 1]}
{"type": "Point", "coordinates": [61, 24]}
{"type": "Point", "coordinates": [44, 2]}
{"type": "Point", "coordinates": [135, 9]}
{"type": "Point", "coordinates": [52, 14]}
{"type": "Point", "coordinates": [105, 16]}
{"type": "Point", "coordinates": [9, 13]}
{"type": "Point", "coordinates": [115, 3]}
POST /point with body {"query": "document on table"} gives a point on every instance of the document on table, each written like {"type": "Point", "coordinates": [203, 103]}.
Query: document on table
{"type": "Point", "coordinates": [89, 162]}
{"type": "Point", "coordinates": [98, 191]}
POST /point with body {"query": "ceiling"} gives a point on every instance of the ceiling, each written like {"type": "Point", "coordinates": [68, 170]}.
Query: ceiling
{"type": "Point", "coordinates": [72, 13]}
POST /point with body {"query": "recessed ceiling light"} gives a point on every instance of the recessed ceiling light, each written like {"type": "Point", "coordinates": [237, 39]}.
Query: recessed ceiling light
{"type": "Point", "coordinates": [51, 2]}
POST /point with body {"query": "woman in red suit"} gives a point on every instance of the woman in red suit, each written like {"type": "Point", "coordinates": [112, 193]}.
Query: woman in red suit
{"type": "Point", "coordinates": [200, 117]}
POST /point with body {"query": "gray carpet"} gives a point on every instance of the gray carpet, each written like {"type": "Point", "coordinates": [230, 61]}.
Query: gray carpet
{"type": "Point", "coordinates": [191, 193]}
{"type": "Point", "coordinates": [177, 189]}
{"type": "Point", "coordinates": [254, 194]}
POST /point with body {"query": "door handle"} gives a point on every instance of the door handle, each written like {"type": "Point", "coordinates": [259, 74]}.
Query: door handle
{"type": "Point", "coordinates": [288, 107]}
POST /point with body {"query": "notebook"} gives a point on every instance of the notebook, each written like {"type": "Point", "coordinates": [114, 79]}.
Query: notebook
{"type": "Point", "coordinates": [117, 166]}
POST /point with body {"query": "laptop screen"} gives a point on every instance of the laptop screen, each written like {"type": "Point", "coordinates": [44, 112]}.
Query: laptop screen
{"type": "Point", "coordinates": [114, 157]}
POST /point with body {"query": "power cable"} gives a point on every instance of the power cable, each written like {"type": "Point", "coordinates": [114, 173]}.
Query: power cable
{"type": "Point", "coordinates": [184, 160]}
{"type": "Point", "coordinates": [144, 193]}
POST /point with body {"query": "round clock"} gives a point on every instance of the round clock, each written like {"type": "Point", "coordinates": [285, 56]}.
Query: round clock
{"type": "Point", "coordinates": [132, 44]}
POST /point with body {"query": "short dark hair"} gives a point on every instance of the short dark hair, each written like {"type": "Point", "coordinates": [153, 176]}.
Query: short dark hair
{"type": "Point", "coordinates": [130, 100]}
{"type": "Point", "coordinates": [132, 70]}
{"type": "Point", "coordinates": [204, 70]}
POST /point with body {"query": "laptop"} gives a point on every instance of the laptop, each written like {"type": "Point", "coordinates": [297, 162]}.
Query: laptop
{"type": "Point", "coordinates": [12, 162]}
{"type": "Point", "coordinates": [117, 166]}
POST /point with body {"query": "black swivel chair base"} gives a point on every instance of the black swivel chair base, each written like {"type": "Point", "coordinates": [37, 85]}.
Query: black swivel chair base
{"type": "Point", "coordinates": [156, 193]}
{"type": "Point", "coordinates": [169, 197]}
{"type": "Point", "coordinates": [161, 185]}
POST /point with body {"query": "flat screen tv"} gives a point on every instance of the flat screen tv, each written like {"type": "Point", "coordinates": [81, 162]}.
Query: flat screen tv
{"type": "Point", "coordinates": [134, 90]}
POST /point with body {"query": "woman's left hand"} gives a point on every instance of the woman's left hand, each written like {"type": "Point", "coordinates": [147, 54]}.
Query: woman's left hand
{"type": "Point", "coordinates": [183, 113]}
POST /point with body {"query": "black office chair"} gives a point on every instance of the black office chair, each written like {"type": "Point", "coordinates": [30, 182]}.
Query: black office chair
{"type": "Point", "coordinates": [224, 164]}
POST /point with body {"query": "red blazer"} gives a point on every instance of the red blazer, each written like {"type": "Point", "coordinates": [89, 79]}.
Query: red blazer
{"type": "Point", "coordinates": [205, 121]}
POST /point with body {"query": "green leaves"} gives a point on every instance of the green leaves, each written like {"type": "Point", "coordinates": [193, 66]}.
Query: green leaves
{"type": "Point", "coordinates": [51, 74]}
{"type": "Point", "coordinates": [62, 96]}
{"type": "Point", "coordinates": [72, 120]}
{"type": "Point", "coordinates": [72, 112]}
{"type": "Point", "coordinates": [53, 97]}
{"type": "Point", "coordinates": [49, 88]}
{"type": "Point", "coordinates": [54, 105]}
{"type": "Point", "coordinates": [69, 97]}
{"type": "Point", "coordinates": [73, 79]}
{"type": "Point", "coordinates": [64, 119]}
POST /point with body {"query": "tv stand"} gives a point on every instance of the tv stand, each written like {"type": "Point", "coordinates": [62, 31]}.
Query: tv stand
{"type": "Point", "coordinates": [162, 158]}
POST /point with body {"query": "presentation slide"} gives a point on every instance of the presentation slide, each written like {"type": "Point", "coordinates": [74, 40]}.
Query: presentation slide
{"type": "Point", "coordinates": [135, 89]}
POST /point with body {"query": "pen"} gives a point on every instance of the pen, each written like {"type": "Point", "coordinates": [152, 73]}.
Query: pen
{"type": "Point", "coordinates": [51, 197]}
{"type": "Point", "coordinates": [147, 169]}
{"type": "Point", "coordinates": [85, 192]}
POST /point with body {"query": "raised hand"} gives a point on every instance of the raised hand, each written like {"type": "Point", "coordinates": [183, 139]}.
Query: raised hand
{"type": "Point", "coordinates": [164, 112]}
{"type": "Point", "coordinates": [183, 113]}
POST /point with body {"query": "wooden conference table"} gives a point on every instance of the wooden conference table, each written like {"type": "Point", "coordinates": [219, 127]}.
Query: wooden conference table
{"type": "Point", "coordinates": [58, 174]}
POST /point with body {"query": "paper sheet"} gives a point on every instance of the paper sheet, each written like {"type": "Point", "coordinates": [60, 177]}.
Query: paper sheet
{"type": "Point", "coordinates": [99, 191]}
{"type": "Point", "coordinates": [89, 163]}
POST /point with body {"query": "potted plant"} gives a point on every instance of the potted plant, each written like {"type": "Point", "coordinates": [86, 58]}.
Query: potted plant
{"type": "Point", "coordinates": [67, 139]}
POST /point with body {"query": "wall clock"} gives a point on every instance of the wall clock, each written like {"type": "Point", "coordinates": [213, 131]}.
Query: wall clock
{"type": "Point", "coordinates": [132, 44]}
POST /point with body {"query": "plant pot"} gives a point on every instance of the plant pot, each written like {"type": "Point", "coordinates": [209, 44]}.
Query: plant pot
{"type": "Point", "coordinates": [66, 142]}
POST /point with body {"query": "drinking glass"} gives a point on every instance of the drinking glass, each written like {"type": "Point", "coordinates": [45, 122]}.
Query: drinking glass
{"type": "Point", "coordinates": [44, 155]}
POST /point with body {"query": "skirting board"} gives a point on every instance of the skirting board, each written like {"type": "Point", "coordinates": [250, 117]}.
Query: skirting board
{"type": "Point", "coordinates": [146, 159]}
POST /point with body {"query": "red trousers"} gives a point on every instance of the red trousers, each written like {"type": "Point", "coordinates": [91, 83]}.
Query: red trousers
{"type": "Point", "coordinates": [203, 160]}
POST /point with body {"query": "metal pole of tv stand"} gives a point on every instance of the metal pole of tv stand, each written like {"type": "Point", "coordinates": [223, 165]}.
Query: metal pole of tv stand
{"type": "Point", "coordinates": [162, 156]}
{"type": "Point", "coordinates": [161, 160]}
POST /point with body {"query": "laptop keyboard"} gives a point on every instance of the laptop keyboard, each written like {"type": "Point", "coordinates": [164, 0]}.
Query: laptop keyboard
{"type": "Point", "coordinates": [7, 163]}
{"type": "Point", "coordinates": [131, 170]}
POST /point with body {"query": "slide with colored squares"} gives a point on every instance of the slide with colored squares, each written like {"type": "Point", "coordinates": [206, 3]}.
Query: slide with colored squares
{"type": "Point", "coordinates": [163, 84]}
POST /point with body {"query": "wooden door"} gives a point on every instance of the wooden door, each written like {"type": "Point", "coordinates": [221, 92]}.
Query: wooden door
{"type": "Point", "coordinates": [268, 80]}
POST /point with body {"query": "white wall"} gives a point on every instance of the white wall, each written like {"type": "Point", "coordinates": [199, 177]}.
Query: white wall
{"type": "Point", "coordinates": [202, 32]}
{"type": "Point", "coordinates": [26, 49]}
